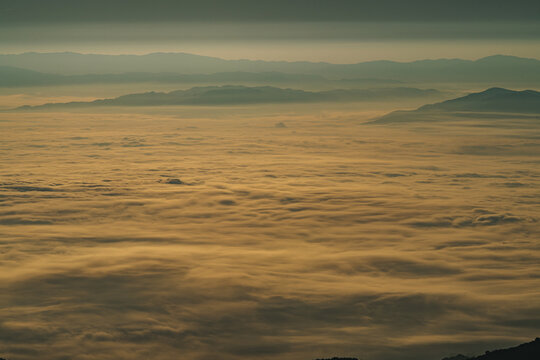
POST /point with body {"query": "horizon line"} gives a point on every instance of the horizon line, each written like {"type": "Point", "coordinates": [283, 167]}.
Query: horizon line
{"type": "Point", "coordinates": [261, 60]}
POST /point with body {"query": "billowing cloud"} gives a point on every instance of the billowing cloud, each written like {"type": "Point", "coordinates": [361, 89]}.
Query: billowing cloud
{"type": "Point", "coordinates": [320, 239]}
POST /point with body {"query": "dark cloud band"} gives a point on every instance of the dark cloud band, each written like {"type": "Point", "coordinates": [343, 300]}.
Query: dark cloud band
{"type": "Point", "coordinates": [54, 11]}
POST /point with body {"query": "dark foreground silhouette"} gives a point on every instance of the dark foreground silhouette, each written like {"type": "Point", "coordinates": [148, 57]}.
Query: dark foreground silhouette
{"type": "Point", "coordinates": [526, 351]}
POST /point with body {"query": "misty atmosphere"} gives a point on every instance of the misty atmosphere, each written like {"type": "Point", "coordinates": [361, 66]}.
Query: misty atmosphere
{"type": "Point", "coordinates": [292, 180]}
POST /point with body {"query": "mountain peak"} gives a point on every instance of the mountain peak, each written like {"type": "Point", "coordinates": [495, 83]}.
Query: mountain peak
{"type": "Point", "coordinates": [498, 90]}
{"type": "Point", "coordinates": [506, 60]}
{"type": "Point", "coordinates": [494, 99]}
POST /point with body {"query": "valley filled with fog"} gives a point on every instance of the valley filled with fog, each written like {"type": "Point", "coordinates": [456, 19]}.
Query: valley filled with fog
{"type": "Point", "coordinates": [289, 231]}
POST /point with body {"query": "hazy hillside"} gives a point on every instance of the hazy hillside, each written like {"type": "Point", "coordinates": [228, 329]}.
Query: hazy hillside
{"type": "Point", "coordinates": [11, 76]}
{"type": "Point", "coordinates": [489, 69]}
{"type": "Point", "coordinates": [495, 68]}
{"type": "Point", "coordinates": [229, 95]}
{"type": "Point", "coordinates": [14, 76]}
{"type": "Point", "coordinates": [493, 100]}
{"type": "Point", "coordinates": [74, 63]}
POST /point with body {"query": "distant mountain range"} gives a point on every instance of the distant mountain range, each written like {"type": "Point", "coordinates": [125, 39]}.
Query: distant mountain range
{"type": "Point", "coordinates": [234, 95]}
{"type": "Point", "coordinates": [497, 68]}
{"type": "Point", "coordinates": [11, 76]}
{"type": "Point", "coordinates": [493, 100]}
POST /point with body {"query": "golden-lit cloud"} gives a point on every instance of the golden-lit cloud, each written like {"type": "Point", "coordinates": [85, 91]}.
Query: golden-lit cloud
{"type": "Point", "coordinates": [322, 237]}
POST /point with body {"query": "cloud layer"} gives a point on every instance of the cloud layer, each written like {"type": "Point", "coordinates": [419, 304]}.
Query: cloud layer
{"type": "Point", "coordinates": [321, 238]}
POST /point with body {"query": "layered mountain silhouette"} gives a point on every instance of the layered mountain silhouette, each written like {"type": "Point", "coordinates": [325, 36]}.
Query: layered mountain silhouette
{"type": "Point", "coordinates": [11, 76]}
{"type": "Point", "coordinates": [489, 69]}
{"type": "Point", "coordinates": [493, 100]}
{"type": "Point", "coordinates": [233, 95]}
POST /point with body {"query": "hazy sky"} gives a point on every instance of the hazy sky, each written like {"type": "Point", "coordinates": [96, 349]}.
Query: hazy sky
{"type": "Point", "coordinates": [319, 30]}
{"type": "Point", "coordinates": [17, 11]}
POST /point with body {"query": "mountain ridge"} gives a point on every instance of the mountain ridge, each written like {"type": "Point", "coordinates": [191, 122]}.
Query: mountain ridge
{"type": "Point", "coordinates": [11, 76]}
{"type": "Point", "coordinates": [237, 95]}
{"type": "Point", "coordinates": [495, 99]}
{"type": "Point", "coordinates": [486, 69]}
{"type": "Point", "coordinates": [492, 100]}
